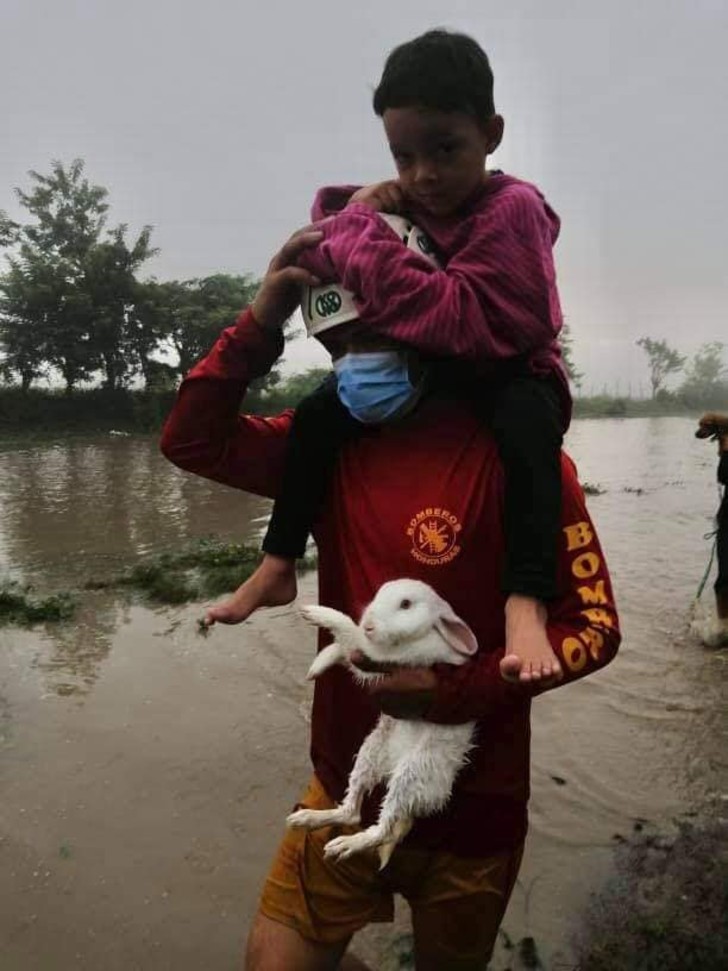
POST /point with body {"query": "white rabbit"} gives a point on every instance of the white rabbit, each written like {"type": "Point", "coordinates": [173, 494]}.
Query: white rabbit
{"type": "Point", "coordinates": [408, 624]}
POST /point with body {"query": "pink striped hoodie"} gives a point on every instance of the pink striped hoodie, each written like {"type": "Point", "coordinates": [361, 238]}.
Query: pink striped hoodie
{"type": "Point", "coordinates": [495, 296]}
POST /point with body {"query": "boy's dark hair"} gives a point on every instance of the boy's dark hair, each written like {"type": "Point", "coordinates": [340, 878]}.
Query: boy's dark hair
{"type": "Point", "coordinates": [440, 70]}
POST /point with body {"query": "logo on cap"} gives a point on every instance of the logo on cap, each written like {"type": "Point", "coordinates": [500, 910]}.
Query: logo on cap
{"type": "Point", "coordinates": [328, 303]}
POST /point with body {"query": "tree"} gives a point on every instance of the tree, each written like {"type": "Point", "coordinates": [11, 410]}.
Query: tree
{"type": "Point", "coordinates": [42, 319]}
{"type": "Point", "coordinates": [663, 360]}
{"type": "Point", "coordinates": [567, 341]}
{"type": "Point", "coordinates": [300, 385]}
{"type": "Point", "coordinates": [288, 392]}
{"type": "Point", "coordinates": [202, 308]}
{"type": "Point", "coordinates": [23, 351]}
{"type": "Point", "coordinates": [151, 322]}
{"type": "Point", "coordinates": [704, 382]}
{"type": "Point", "coordinates": [187, 316]}
{"type": "Point", "coordinates": [8, 229]}
{"type": "Point", "coordinates": [67, 297]}
{"type": "Point", "coordinates": [110, 282]}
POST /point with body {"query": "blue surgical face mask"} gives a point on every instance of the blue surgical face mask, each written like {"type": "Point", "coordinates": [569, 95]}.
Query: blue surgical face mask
{"type": "Point", "coordinates": [374, 386]}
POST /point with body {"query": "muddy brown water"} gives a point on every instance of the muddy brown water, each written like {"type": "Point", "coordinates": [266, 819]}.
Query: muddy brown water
{"type": "Point", "coordinates": [145, 771]}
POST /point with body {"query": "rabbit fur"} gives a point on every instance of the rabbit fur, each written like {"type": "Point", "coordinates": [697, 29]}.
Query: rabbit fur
{"type": "Point", "coordinates": [408, 624]}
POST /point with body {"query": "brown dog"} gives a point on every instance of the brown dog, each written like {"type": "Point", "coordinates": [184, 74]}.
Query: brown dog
{"type": "Point", "coordinates": [712, 425]}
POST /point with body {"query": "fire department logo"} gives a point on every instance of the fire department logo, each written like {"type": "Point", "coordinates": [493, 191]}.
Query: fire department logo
{"type": "Point", "coordinates": [434, 533]}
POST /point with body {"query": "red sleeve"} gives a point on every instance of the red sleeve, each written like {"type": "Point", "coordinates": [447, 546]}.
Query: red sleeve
{"type": "Point", "coordinates": [583, 625]}
{"type": "Point", "coordinates": [205, 432]}
{"type": "Point", "coordinates": [496, 298]}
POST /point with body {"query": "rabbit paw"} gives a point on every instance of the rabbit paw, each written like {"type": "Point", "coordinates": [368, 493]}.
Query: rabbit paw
{"type": "Point", "coordinates": [345, 846]}
{"type": "Point", "coordinates": [317, 818]}
{"type": "Point", "coordinates": [306, 819]}
{"type": "Point", "coordinates": [323, 616]}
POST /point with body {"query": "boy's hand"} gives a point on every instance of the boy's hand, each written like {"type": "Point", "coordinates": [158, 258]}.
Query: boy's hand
{"type": "Point", "coordinates": [280, 291]}
{"type": "Point", "coordinates": [382, 196]}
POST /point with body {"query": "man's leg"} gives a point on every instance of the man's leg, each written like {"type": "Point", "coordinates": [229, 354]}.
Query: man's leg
{"type": "Point", "coordinates": [275, 947]}
{"type": "Point", "coordinates": [457, 910]}
{"type": "Point", "coordinates": [310, 907]}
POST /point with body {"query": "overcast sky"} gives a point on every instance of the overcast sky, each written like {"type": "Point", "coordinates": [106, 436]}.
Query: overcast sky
{"type": "Point", "coordinates": [216, 121]}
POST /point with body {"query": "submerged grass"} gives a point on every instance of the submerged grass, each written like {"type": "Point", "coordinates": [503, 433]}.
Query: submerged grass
{"type": "Point", "coordinates": [206, 568]}
{"type": "Point", "coordinates": [19, 607]}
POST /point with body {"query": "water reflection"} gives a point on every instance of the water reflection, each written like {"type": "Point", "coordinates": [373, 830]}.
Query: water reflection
{"type": "Point", "coordinates": [81, 510]}
{"type": "Point", "coordinates": [75, 650]}
{"type": "Point", "coordinates": [68, 509]}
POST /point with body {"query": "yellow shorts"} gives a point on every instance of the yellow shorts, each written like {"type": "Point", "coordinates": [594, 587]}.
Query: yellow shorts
{"type": "Point", "coordinates": [459, 902]}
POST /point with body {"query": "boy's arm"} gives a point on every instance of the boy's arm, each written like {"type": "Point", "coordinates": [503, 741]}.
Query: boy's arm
{"type": "Point", "coordinates": [206, 434]}
{"type": "Point", "coordinates": [583, 626]}
{"type": "Point", "coordinates": [496, 298]}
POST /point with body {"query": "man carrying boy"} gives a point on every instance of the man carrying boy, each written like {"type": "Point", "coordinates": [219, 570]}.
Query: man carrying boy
{"type": "Point", "coordinates": [420, 498]}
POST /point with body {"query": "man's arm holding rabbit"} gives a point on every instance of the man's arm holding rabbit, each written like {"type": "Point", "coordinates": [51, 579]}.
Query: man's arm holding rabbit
{"type": "Point", "coordinates": [582, 626]}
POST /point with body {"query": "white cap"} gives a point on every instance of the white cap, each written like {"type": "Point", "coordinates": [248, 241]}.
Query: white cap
{"type": "Point", "coordinates": [328, 306]}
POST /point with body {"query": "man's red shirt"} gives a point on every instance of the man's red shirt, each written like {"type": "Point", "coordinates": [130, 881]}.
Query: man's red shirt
{"type": "Point", "coordinates": [421, 498]}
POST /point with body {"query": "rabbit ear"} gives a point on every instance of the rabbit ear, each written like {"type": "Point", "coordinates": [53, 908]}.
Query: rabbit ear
{"type": "Point", "coordinates": [456, 632]}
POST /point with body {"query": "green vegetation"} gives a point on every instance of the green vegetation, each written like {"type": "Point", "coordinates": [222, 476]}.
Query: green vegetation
{"type": "Point", "coordinates": [18, 607]}
{"type": "Point", "coordinates": [38, 413]}
{"type": "Point", "coordinates": [667, 907]}
{"type": "Point", "coordinates": [663, 360]}
{"type": "Point", "coordinates": [704, 387]}
{"type": "Point", "coordinates": [666, 404]}
{"type": "Point", "coordinates": [72, 304]}
{"type": "Point", "coordinates": [207, 568]}
{"type": "Point", "coordinates": [41, 413]}
{"type": "Point", "coordinates": [567, 344]}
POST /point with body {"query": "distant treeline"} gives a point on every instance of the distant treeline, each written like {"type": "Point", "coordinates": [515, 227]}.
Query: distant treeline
{"type": "Point", "coordinates": [73, 309]}
{"type": "Point", "coordinates": [663, 404]}
{"type": "Point", "coordinates": [39, 412]}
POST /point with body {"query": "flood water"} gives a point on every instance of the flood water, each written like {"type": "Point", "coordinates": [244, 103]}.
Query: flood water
{"type": "Point", "coordinates": [145, 771]}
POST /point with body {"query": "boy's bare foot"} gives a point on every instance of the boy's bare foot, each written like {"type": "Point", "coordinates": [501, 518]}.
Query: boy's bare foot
{"type": "Point", "coordinates": [529, 656]}
{"type": "Point", "coordinates": [272, 585]}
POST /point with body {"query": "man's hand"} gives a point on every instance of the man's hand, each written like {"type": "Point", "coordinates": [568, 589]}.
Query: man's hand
{"type": "Point", "coordinates": [382, 196]}
{"type": "Point", "coordinates": [280, 291]}
{"type": "Point", "coordinates": [401, 692]}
